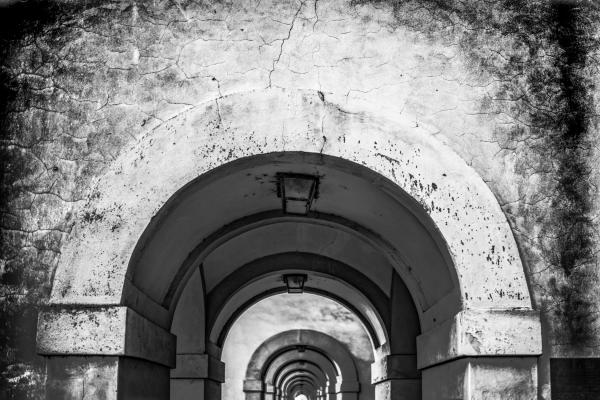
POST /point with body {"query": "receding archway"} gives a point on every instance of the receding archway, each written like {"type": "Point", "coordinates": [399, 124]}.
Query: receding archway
{"type": "Point", "coordinates": [328, 277]}
{"type": "Point", "coordinates": [292, 312]}
{"type": "Point", "coordinates": [266, 369]}
{"type": "Point", "coordinates": [392, 231]}
{"type": "Point", "coordinates": [324, 277]}
{"type": "Point", "coordinates": [385, 195]}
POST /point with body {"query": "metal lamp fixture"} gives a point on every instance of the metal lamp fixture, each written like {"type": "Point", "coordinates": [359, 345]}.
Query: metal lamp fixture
{"type": "Point", "coordinates": [294, 282]}
{"type": "Point", "coordinates": [301, 349]}
{"type": "Point", "coordinates": [297, 192]}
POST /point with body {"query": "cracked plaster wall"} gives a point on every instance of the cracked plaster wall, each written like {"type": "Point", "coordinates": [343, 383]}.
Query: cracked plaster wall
{"type": "Point", "coordinates": [510, 87]}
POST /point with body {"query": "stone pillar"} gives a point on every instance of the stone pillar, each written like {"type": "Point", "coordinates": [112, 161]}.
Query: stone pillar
{"type": "Point", "coordinates": [253, 389]}
{"type": "Point", "coordinates": [394, 372]}
{"type": "Point", "coordinates": [481, 355]}
{"type": "Point", "coordinates": [104, 353]}
{"type": "Point", "coordinates": [331, 392]}
{"type": "Point", "coordinates": [269, 392]}
{"type": "Point", "coordinates": [489, 378]}
{"type": "Point", "coordinates": [396, 377]}
{"type": "Point", "coordinates": [347, 391]}
{"type": "Point", "coordinates": [197, 377]}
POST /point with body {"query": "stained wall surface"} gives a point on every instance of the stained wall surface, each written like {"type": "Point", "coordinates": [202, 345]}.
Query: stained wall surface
{"type": "Point", "coordinates": [509, 88]}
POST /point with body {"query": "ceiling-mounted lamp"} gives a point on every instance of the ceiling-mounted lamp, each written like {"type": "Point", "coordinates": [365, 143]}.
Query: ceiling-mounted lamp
{"type": "Point", "coordinates": [294, 282]}
{"type": "Point", "coordinates": [297, 192]}
{"type": "Point", "coordinates": [301, 349]}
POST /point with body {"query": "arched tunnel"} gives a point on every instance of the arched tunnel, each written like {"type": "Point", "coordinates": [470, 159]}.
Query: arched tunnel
{"type": "Point", "coordinates": [299, 199]}
{"type": "Point", "coordinates": [300, 222]}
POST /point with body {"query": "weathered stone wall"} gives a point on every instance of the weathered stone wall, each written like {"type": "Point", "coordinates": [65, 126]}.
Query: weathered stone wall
{"type": "Point", "coordinates": [510, 86]}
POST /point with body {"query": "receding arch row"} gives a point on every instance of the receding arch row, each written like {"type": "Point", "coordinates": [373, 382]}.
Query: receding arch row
{"type": "Point", "coordinates": [187, 179]}
{"type": "Point", "coordinates": [328, 277]}
{"type": "Point", "coordinates": [273, 217]}
{"type": "Point", "coordinates": [320, 370]}
{"type": "Point", "coordinates": [298, 340]}
{"type": "Point", "coordinates": [428, 289]}
{"type": "Point", "coordinates": [279, 360]}
{"type": "Point", "coordinates": [281, 375]}
{"type": "Point", "coordinates": [296, 373]}
{"type": "Point", "coordinates": [297, 385]}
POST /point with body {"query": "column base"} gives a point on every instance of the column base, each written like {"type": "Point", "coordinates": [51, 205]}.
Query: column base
{"type": "Point", "coordinates": [105, 378]}
{"type": "Point", "coordinates": [398, 389]}
{"type": "Point", "coordinates": [482, 378]}
{"type": "Point", "coordinates": [396, 377]}
{"type": "Point", "coordinates": [347, 396]}
{"type": "Point", "coordinates": [197, 377]}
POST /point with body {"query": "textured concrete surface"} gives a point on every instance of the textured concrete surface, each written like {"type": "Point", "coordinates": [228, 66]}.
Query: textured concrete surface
{"type": "Point", "coordinates": [481, 333]}
{"type": "Point", "coordinates": [94, 90]}
{"type": "Point", "coordinates": [110, 331]}
{"type": "Point", "coordinates": [279, 363]}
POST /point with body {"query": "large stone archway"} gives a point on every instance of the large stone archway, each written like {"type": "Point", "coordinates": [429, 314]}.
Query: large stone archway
{"type": "Point", "coordinates": [298, 370]}
{"type": "Point", "coordinates": [389, 318]}
{"type": "Point", "coordinates": [192, 189]}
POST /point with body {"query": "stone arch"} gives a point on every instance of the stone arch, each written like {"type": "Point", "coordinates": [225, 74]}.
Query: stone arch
{"type": "Point", "coordinates": [246, 284]}
{"type": "Point", "coordinates": [335, 280]}
{"type": "Point", "coordinates": [292, 378]}
{"type": "Point", "coordinates": [299, 366]}
{"type": "Point", "coordinates": [289, 346]}
{"type": "Point", "coordinates": [292, 363]}
{"type": "Point", "coordinates": [154, 220]}
{"type": "Point", "coordinates": [298, 385]}
{"type": "Point", "coordinates": [333, 349]}
{"type": "Point", "coordinates": [308, 357]}
{"type": "Point", "coordinates": [431, 175]}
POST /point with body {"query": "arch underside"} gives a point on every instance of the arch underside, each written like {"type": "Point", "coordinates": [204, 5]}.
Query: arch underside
{"type": "Point", "coordinates": [325, 276]}
{"type": "Point", "coordinates": [375, 241]}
